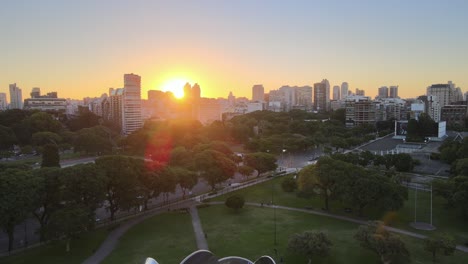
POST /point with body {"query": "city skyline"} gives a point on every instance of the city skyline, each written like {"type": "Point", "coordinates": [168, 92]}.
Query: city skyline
{"type": "Point", "coordinates": [226, 46]}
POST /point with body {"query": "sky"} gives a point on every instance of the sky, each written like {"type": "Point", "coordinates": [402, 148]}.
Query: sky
{"type": "Point", "coordinates": [81, 48]}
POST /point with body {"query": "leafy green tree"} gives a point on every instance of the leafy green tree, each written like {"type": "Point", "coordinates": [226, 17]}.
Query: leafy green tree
{"type": "Point", "coordinates": [187, 179]}
{"type": "Point", "coordinates": [363, 189]}
{"type": "Point", "coordinates": [168, 181]}
{"type": "Point", "coordinates": [403, 162]}
{"type": "Point", "coordinates": [45, 138]}
{"type": "Point", "coordinates": [7, 137]}
{"type": "Point", "coordinates": [67, 223]}
{"type": "Point", "coordinates": [440, 244]}
{"type": "Point", "coordinates": [455, 192]}
{"type": "Point", "coordinates": [323, 178]}
{"type": "Point", "coordinates": [95, 140]}
{"type": "Point", "coordinates": [214, 167]}
{"type": "Point", "coordinates": [83, 185]}
{"type": "Point", "coordinates": [461, 167]}
{"type": "Point", "coordinates": [18, 194]}
{"type": "Point", "coordinates": [181, 157]}
{"type": "Point", "coordinates": [149, 182]}
{"type": "Point", "coordinates": [261, 162]}
{"type": "Point", "coordinates": [49, 196]}
{"type": "Point", "coordinates": [310, 244]}
{"type": "Point", "coordinates": [50, 156]}
{"type": "Point", "coordinates": [245, 170]}
{"type": "Point", "coordinates": [289, 185]}
{"type": "Point", "coordinates": [42, 122]}
{"type": "Point", "coordinates": [235, 202]}
{"type": "Point", "coordinates": [121, 183]}
{"type": "Point", "coordinates": [388, 246]}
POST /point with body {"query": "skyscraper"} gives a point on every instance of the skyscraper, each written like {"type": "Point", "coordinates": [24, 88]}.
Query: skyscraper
{"type": "Point", "coordinates": [327, 93]}
{"type": "Point", "coordinates": [131, 104]}
{"type": "Point", "coordinates": [16, 97]}
{"type": "Point", "coordinates": [393, 92]}
{"type": "Point", "coordinates": [320, 98]}
{"type": "Point", "coordinates": [445, 93]}
{"type": "Point", "coordinates": [336, 92]}
{"type": "Point", "coordinates": [258, 93]}
{"type": "Point", "coordinates": [383, 92]}
{"type": "Point", "coordinates": [3, 101]}
{"type": "Point", "coordinates": [344, 90]}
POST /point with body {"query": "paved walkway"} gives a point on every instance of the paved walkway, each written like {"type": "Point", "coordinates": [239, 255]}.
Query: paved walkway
{"type": "Point", "coordinates": [344, 218]}
{"type": "Point", "coordinates": [197, 228]}
{"type": "Point", "coordinates": [113, 238]}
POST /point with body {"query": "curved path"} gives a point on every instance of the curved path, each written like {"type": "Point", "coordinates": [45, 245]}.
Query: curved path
{"type": "Point", "coordinates": [113, 238]}
{"type": "Point", "coordinates": [344, 218]}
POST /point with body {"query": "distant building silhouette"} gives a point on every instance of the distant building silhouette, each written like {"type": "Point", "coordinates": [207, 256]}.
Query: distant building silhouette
{"type": "Point", "coordinates": [320, 97]}
{"type": "Point", "coordinates": [3, 101]}
{"type": "Point", "coordinates": [258, 93]}
{"type": "Point", "coordinates": [336, 92]}
{"type": "Point", "coordinates": [344, 90]}
{"type": "Point", "coordinates": [16, 97]}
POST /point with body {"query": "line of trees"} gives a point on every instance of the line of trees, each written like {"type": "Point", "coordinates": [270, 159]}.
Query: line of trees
{"type": "Point", "coordinates": [352, 185]}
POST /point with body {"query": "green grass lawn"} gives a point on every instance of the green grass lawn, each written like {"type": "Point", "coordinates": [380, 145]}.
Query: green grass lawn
{"type": "Point", "coordinates": [446, 220]}
{"type": "Point", "coordinates": [168, 238]}
{"type": "Point", "coordinates": [54, 252]}
{"type": "Point", "coordinates": [250, 233]}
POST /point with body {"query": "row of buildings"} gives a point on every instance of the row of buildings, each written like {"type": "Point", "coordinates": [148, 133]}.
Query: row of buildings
{"type": "Point", "coordinates": [125, 108]}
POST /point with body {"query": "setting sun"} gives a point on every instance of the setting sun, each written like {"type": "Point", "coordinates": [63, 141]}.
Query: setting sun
{"type": "Point", "coordinates": [176, 86]}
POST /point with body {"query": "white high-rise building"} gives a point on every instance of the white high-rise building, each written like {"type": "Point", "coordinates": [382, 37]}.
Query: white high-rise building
{"type": "Point", "coordinates": [16, 97]}
{"type": "Point", "coordinates": [445, 93]}
{"type": "Point", "coordinates": [131, 104]}
{"type": "Point", "coordinates": [336, 92]}
{"type": "Point", "coordinates": [344, 90]}
{"type": "Point", "coordinates": [258, 93]}
{"type": "Point", "coordinates": [3, 101]}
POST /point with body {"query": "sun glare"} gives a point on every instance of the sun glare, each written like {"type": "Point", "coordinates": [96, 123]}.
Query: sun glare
{"type": "Point", "coordinates": [176, 86]}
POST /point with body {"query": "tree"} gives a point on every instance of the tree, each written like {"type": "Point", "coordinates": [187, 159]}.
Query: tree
{"type": "Point", "coordinates": [455, 191]}
{"type": "Point", "coordinates": [121, 183]}
{"type": "Point", "coordinates": [50, 156]}
{"type": "Point", "coordinates": [289, 185]}
{"type": "Point", "coordinates": [186, 179]}
{"type": "Point", "coordinates": [45, 138]}
{"type": "Point", "coordinates": [17, 199]}
{"type": "Point", "coordinates": [84, 187]}
{"type": "Point", "coordinates": [388, 246]}
{"type": "Point", "coordinates": [149, 182]}
{"type": "Point", "coordinates": [49, 196]}
{"type": "Point", "coordinates": [245, 170]}
{"type": "Point", "coordinates": [235, 202]}
{"type": "Point", "coordinates": [310, 244]}
{"type": "Point", "coordinates": [260, 161]}
{"type": "Point", "coordinates": [214, 167]}
{"type": "Point", "coordinates": [168, 181]}
{"type": "Point", "coordinates": [7, 137]}
{"type": "Point", "coordinates": [440, 244]}
{"type": "Point", "coordinates": [323, 178]}
{"type": "Point", "coordinates": [363, 189]}
{"type": "Point", "coordinates": [67, 223]}
{"type": "Point", "coordinates": [403, 162]}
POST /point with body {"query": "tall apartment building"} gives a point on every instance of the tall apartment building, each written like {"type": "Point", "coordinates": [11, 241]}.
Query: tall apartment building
{"type": "Point", "coordinates": [3, 101]}
{"type": "Point", "coordinates": [344, 90]}
{"type": "Point", "coordinates": [359, 110]}
{"type": "Point", "coordinates": [115, 106]}
{"type": "Point", "coordinates": [320, 97]}
{"type": "Point", "coordinates": [304, 97]}
{"type": "Point", "coordinates": [258, 93]}
{"type": "Point", "coordinates": [131, 104]}
{"type": "Point", "coordinates": [454, 114]}
{"type": "Point", "coordinates": [16, 97]}
{"type": "Point", "coordinates": [327, 93]}
{"type": "Point", "coordinates": [445, 93]}
{"type": "Point", "coordinates": [336, 92]}
{"type": "Point", "coordinates": [393, 92]}
{"type": "Point", "coordinates": [383, 92]}
{"type": "Point", "coordinates": [360, 92]}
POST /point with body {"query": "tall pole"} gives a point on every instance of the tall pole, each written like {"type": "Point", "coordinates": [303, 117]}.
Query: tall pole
{"type": "Point", "coordinates": [415, 203]}
{"type": "Point", "coordinates": [431, 203]}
